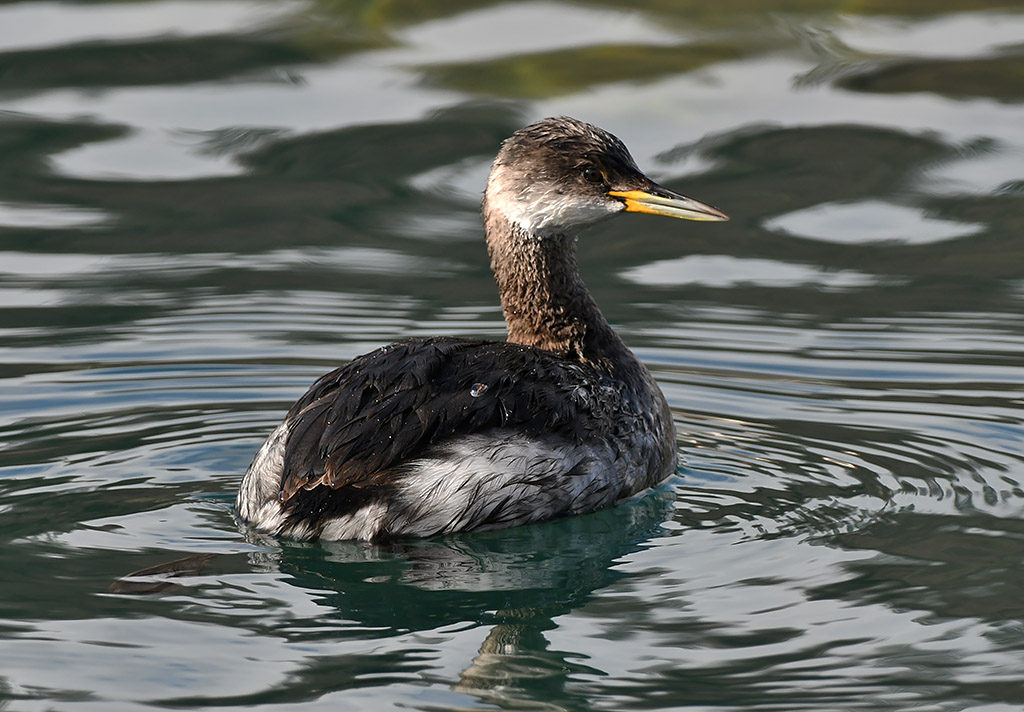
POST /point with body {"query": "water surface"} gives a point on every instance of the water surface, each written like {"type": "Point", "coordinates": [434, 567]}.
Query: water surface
{"type": "Point", "coordinates": [206, 205]}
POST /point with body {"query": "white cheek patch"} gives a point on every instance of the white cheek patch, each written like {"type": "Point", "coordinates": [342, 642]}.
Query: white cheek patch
{"type": "Point", "coordinates": [545, 209]}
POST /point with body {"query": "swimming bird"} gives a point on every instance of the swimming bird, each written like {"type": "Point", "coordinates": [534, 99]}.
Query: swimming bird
{"type": "Point", "coordinates": [437, 435]}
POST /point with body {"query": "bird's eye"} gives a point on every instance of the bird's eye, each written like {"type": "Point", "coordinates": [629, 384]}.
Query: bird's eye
{"type": "Point", "coordinates": [593, 174]}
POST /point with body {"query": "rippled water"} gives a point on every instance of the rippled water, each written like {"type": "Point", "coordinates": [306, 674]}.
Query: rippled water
{"type": "Point", "coordinates": [205, 205]}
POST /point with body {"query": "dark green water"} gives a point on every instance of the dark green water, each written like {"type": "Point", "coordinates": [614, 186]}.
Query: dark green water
{"type": "Point", "coordinates": [205, 205]}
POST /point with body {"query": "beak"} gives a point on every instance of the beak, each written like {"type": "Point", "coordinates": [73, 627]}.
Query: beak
{"type": "Point", "coordinates": [657, 200]}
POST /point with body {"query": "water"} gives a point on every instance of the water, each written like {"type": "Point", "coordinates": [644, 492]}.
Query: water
{"type": "Point", "coordinates": [205, 205]}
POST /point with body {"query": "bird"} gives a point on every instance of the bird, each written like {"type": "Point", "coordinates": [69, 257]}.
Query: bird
{"type": "Point", "coordinates": [436, 435]}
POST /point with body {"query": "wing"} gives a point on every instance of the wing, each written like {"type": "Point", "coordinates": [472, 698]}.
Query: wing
{"type": "Point", "coordinates": [357, 424]}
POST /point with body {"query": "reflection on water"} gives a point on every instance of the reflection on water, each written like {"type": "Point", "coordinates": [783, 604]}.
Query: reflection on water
{"type": "Point", "coordinates": [204, 206]}
{"type": "Point", "coordinates": [869, 221]}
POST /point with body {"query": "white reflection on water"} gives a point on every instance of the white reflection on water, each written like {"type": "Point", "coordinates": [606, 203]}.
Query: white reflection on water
{"type": "Point", "coordinates": [728, 271]}
{"type": "Point", "coordinates": [30, 264]}
{"type": "Point", "coordinates": [41, 25]}
{"type": "Point", "coordinates": [956, 35]}
{"type": "Point", "coordinates": [384, 86]}
{"type": "Point", "coordinates": [869, 221]}
{"type": "Point", "coordinates": [145, 155]}
{"type": "Point", "coordinates": [983, 173]}
{"type": "Point", "coordinates": [328, 97]}
{"type": "Point", "coordinates": [761, 90]}
{"type": "Point", "coordinates": [51, 216]}
{"type": "Point", "coordinates": [363, 260]}
{"type": "Point", "coordinates": [13, 297]}
{"type": "Point", "coordinates": [522, 28]}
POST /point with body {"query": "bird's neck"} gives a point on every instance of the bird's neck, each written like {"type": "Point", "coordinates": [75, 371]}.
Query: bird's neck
{"type": "Point", "coordinates": [545, 302]}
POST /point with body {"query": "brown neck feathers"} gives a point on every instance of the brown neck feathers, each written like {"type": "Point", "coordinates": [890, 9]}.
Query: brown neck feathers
{"type": "Point", "coordinates": [545, 302]}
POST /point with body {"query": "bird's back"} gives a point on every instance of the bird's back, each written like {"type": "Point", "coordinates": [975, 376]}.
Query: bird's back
{"type": "Point", "coordinates": [441, 434]}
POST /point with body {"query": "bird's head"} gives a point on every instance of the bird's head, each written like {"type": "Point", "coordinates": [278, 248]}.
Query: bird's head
{"type": "Point", "coordinates": [560, 173]}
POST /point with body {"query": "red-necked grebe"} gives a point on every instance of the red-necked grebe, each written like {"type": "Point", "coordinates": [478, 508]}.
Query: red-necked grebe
{"type": "Point", "coordinates": [437, 435]}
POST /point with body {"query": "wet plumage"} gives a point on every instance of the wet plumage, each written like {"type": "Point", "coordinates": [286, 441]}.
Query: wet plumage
{"type": "Point", "coordinates": [436, 435]}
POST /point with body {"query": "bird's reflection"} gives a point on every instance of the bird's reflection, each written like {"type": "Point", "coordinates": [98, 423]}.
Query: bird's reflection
{"type": "Point", "coordinates": [514, 582]}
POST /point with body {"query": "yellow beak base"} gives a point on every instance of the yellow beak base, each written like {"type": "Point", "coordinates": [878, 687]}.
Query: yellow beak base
{"type": "Point", "coordinates": [670, 205]}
